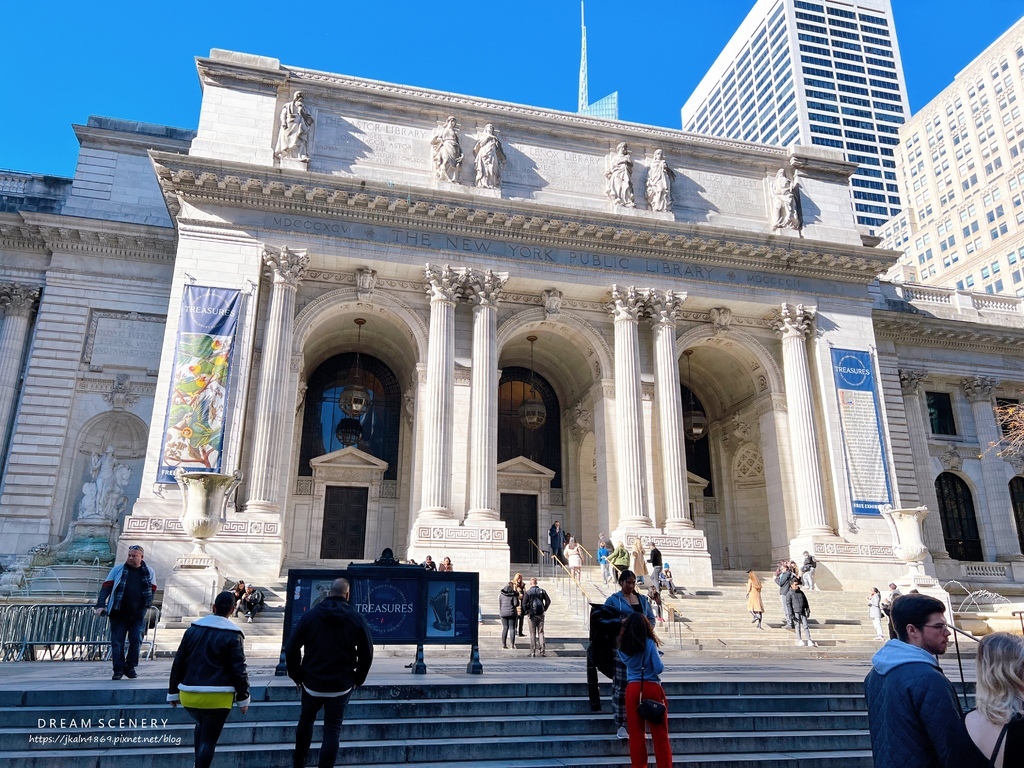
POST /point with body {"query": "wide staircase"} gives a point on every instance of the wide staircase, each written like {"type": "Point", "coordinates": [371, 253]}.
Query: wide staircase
{"type": "Point", "coordinates": [703, 622]}
{"type": "Point", "coordinates": [744, 724]}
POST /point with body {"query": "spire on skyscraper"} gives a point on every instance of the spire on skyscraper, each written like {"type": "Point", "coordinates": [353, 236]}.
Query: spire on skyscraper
{"type": "Point", "coordinates": [608, 107]}
{"type": "Point", "coordinates": [583, 61]}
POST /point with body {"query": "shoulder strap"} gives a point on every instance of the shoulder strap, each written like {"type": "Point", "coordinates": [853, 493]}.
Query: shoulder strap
{"type": "Point", "coordinates": [999, 744]}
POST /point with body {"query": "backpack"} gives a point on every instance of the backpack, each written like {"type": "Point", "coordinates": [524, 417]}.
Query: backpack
{"type": "Point", "coordinates": [537, 604]}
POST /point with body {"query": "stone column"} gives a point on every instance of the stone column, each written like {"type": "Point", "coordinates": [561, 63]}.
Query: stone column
{"type": "Point", "coordinates": [1003, 541]}
{"type": "Point", "coordinates": [914, 407]}
{"type": "Point", "coordinates": [18, 301]}
{"type": "Point", "coordinates": [626, 306]}
{"type": "Point", "coordinates": [483, 398]}
{"type": "Point", "coordinates": [792, 325]}
{"type": "Point", "coordinates": [663, 311]}
{"type": "Point", "coordinates": [272, 405]}
{"type": "Point", "coordinates": [444, 285]}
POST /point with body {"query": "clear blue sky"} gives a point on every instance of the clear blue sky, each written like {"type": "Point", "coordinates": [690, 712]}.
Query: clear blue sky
{"type": "Point", "coordinates": [63, 61]}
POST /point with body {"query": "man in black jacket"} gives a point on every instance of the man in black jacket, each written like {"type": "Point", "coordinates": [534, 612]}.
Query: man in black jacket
{"type": "Point", "coordinates": [338, 653]}
{"type": "Point", "coordinates": [208, 675]}
{"type": "Point", "coordinates": [913, 711]}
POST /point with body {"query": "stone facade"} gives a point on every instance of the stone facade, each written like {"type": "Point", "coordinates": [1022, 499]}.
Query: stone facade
{"type": "Point", "coordinates": [453, 280]}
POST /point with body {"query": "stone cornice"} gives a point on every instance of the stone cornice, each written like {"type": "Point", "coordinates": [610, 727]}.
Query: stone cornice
{"type": "Point", "coordinates": [17, 235]}
{"type": "Point", "coordinates": [201, 181]}
{"type": "Point", "coordinates": [100, 237]}
{"type": "Point", "coordinates": [951, 334]}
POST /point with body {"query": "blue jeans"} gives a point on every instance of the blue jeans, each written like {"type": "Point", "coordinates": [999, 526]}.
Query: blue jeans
{"type": "Point", "coordinates": [334, 711]}
{"type": "Point", "coordinates": [209, 724]}
{"type": "Point", "coordinates": [125, 629]}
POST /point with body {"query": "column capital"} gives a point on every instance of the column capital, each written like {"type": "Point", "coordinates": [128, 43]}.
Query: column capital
{"type": "Point", "coordinates": [792, 321]}
{"type": "Point", "coordinates": [910, 381]}
{"type": "Point", "coordinates": [486, 287]}
{"type": "Point", "coordinates": [663, 307]}
{"type": "Point", "coordinates": [18, 299]}
{"type": "Point", "coordinates": [444, 283]}
{"type": "Point", "coordinates": [978, 388]}
{"type": "Point", "coordinates": [627, 303]}
{"type": "Point", "coordinates": [285, 264]}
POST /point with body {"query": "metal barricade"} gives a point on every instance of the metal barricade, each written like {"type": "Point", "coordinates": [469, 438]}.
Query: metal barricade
{"type": "Point", "coordinates": [63, 632]}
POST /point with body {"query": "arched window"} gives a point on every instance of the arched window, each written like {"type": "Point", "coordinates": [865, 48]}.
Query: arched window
{"type": "Point", "coordinates": [959, 524]}
{"type": "Point", "coordinates": [1017, 499]}
{"type": "Point", "coordinates": [540, 445]}
{"type": "Point", "coordinates": [380, 423]}
{"type": "Point", "coordinates": [698, 453]}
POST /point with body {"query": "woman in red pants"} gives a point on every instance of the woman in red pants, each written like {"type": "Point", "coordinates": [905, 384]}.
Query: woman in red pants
{"type": "Point", "coordinates": [638, 649]}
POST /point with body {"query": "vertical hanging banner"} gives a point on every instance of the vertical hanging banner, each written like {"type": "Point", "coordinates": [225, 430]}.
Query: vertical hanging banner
{"type": "Point", "coordinates": [194, 427]}
{"type": "Point", "coordinates": [863, 439]}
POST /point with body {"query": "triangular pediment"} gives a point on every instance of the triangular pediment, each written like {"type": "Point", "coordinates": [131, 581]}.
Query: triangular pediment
{"type": "Point", "coordinates": [692, 479]}
{"type": "Point", "coordinates": [348, 458]}
{"type": "Point", "coordinates": [521, 465]}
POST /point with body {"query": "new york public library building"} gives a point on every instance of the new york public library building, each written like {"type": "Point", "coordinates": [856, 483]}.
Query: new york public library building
{"type": "Point", "coordinates": [437, 323]}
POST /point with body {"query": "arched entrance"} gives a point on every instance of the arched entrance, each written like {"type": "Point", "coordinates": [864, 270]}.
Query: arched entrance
{"type": "Point", "coordinates": [959, 523]}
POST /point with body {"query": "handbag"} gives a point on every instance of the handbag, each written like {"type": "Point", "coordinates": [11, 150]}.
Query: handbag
{"type": "Point", "coordinates": [649, 709]}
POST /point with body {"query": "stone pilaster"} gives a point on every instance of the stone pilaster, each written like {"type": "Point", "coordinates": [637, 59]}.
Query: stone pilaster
{"type": "Point", "coordinates": [792, 325]}
{"type": "Point", "coordinates": [626, 307]}
{"type": "Point", "coordinates": [663, 312]}
{"type": "Point", "coordinates": [18, 302]}
{"type": "Point", "coordinates": [444, 286]}
{"type": "Point", "coordinates": [272, 406]}
{"type": "Point", "coordinates": [485, 289]}
{"type": "Point", "coordinates": [913, 403]}
{"type": "Point", "coordinates": [999, 525]}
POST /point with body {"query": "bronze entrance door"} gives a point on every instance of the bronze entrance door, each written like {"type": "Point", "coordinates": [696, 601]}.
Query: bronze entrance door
{"type": "Point", "coordinates": [344, 534]}
{"type": "Point", "coordinates": [519, 513]}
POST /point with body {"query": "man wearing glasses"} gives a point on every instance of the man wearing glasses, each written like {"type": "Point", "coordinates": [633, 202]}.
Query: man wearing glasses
{"type": "Point", "coordinates": [913, 712]}
{"type": "Point", "coordinates": [126, 594]}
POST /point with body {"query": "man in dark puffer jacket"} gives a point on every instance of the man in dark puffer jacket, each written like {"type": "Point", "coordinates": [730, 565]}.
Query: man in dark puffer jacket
{"type": "Point", "coordinates": [913, 712]}
{"type": "Point", "coordinates": [208, 675]}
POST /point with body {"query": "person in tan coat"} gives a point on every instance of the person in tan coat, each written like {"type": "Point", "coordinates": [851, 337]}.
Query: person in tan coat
{"type": "Point", "coordinates": [638, 560]}
{"type": "Point", "coordinates": [754, 603]}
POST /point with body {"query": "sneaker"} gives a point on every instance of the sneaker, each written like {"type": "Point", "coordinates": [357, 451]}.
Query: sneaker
{"type": "Point", "coordinates": [131, 674]}
{"type": "Point", "coordinates": [799, 642]}
{"type": "Point", "coordinates": [811, 644]}
{"type": "Point", "coordinates": [621, 733]}
{"type": "Point", "coordinates": [116, 676]}
{"type": "Point", "coordinates": [879, 637]}
{"type": "Point", "coordinates": [248, 620]}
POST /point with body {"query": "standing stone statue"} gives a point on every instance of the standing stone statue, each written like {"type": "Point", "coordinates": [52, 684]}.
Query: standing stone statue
{"type": "Point", "coordinates": [293, 137]}
{"type": "Point", "coordinates": [490, 159]}
{"type": "Point", "coordinates": [446, 152]}
{"type": "Point", "coordinates": [104, 496]}
{"type": "Point", "coordinates": [619, 186]}
{"type": "Point", "coordinates": [785, 211]}
{"type": "Point", "coordinates": [659, 183]}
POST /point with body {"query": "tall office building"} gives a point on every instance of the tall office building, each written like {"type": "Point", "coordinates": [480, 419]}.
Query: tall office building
{"type": "Point", "coordinates": [826, 73]}
{"type": "Point", "coordinates": [961, 169]}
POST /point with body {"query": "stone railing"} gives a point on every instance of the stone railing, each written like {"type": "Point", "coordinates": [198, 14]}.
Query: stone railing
{"type": "Point", "coordinates": [920, 295]}
{"type": "Point", "coordinates": [977, 571]}
{"type": "Point", "coordinates": [13, 183]}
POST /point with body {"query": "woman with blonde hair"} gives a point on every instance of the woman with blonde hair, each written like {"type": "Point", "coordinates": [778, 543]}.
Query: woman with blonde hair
{"type": "Point", "coordinates": [638, 560]}
{"type": "Point", "coordinates": [754, 603]}
{"type": "Point", "coordinates": [997, 725]}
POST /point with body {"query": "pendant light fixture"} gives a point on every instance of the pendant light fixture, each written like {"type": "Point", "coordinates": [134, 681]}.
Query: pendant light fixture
{"type": "Point", "coordinates": [532, 413]}
{"type": "Point", "coordinates": [695, 422]}
{"type": "Point", "coordinates": [354, 400]}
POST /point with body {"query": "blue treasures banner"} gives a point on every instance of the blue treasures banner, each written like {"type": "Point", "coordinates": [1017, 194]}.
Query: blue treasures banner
{"type": "Point", "coordinates": [194, 428]}
{"type": "Point", "coordinates": [863, 439]}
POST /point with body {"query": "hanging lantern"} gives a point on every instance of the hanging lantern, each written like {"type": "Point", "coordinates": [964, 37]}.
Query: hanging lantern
{"type": "Point", "coordinates": [695, 422]}
{"type": "Point", "coordinates": [349, 432]}
{"type": "Point", "coordinates": [532, 413]}
{"type": "Point", "coordinates": [354, 399]}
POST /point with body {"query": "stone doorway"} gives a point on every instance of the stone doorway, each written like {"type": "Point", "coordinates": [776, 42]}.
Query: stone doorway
{"type": "Point", "coordinates": [344, 531]}
{"type": "Point", "coordinates": [519, 513]}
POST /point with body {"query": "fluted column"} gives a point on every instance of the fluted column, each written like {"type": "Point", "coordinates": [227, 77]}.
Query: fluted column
{"type": "Point", "coordinates": [792, 324]}
{"type": "Point", "coordinates": [18, 301]}
{"type": "Point", "coordinates": [483, 398]}
{"type": "Point", "coordinates": [999, 510]}
{"type": "Point", "coordinates": [272, 406]}
{"type": "Point", "coordinates": [626, 306]}
{"type": "Point", "coordinates": [663, 311]}
{"type": "Point", "coordinates": [444, 285]}
{"type": "Point", "coordinates": [913, 405]}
